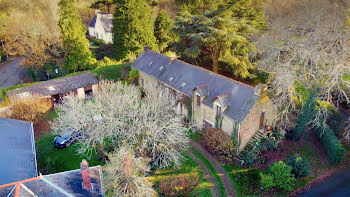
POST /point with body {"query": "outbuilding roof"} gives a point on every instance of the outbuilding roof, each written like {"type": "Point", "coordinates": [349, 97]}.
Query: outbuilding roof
{"type": "Point", "coordinates": [69, 183]}
{"type": "Point", "coordinates": [17, 151]}
{"type": "Point", "coordinates": [185, 78]}
{"type": "Point", "coordinates": [55, 86]}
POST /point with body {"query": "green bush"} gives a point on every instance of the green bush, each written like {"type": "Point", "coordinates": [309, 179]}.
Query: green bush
{"type": "Point", "coordinates": [98, 42]}
{"type": "Point", "coordinates": [330, 143]}
{"type": "Point", "coordinates": [3, 56]}
{"type": "Point", "coordinates": [219, 143]}
{"type": "Point", "coordinates": [305, 116]}
{"type": "Point", "coordinates": [279, 176]}
{"type": "Point", "coordinates": [248, 158]}
{"type": "Point", "coordinates": [334, 121]}
{"type": "Point", "coordinates": [300, 165]}
{"type": "Point", "coordinates": [112, 72]}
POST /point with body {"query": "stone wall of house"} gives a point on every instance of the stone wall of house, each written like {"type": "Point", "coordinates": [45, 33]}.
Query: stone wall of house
{"type": "Point", "coordinates": [250, 125]}
{"type": "Point", "coordinates": [81, 93]}
{"type": "Point", "coordinates": [94, 88]}
{"type": "Point", "coordinates": [205, 113]}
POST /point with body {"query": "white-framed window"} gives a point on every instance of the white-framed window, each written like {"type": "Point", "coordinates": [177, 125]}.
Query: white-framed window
{"type": "Point", "coordinates": [198, 98]}
{"type": "Point", "coordinates": [218, 110]}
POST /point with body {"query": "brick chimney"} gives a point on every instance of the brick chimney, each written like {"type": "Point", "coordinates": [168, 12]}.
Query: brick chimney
{"type": "Point", "coordinates": [84, 167]}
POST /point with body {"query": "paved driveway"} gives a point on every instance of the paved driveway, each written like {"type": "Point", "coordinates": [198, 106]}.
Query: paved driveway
{"type": "Point", "coordinates": [12, 73]}
{"type": "Point", "coordinates": [336, 186]}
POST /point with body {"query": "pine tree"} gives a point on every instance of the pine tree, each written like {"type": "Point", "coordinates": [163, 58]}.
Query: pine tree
{"type": "Point", "coordinates": [132, 28]}
{"type": "Point", "coordinates": [223, 35]}
{"type": "Point", "coordinates": [162, 28]}
{"type": "Point", "coordinates": [77, 53]}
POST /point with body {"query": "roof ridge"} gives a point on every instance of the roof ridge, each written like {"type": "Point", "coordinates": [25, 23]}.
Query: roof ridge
{"type": "Point", "coordinates": [222, 95]}
{"type": "Point", "coordinates": [215, 73]}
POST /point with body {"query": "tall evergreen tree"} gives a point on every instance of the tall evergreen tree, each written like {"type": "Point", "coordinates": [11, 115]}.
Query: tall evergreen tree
{"type": "Point", "coordinates": [162, 28]}
{"type": "Point", "coordinates": [77, 53]}
{"type": "Point", "coordinates": [132, 28]}
{"type": "Point", "coordinates": [222, 34]}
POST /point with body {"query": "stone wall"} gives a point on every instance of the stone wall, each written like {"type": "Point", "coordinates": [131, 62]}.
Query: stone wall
{"type": "Point", "coordinates": [250, 125]}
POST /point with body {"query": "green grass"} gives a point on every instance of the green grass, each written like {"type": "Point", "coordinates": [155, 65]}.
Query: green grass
{"type": "Point", "coordinates": [212, 171]}
{"type": "Point", "coordinates": [52, 114]}
{"type": "Point", "coordinates": [189, 166]}
{"type": "Point", "coordinates": [246, 181]}
{"type": "Point", "coordinates": [53, 160]}
{"type": "Point", "coordinates": [194, 136]}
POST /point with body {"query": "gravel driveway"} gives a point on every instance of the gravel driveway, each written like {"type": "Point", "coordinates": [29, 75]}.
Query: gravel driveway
{"type": "Point", "coordinates": [12, 73]}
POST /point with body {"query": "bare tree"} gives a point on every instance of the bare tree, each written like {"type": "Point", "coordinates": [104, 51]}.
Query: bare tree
{"type": "Point", "coordinates": [346, 134]}
{"type": "Point", "coordinates": [125, 175]}
{"type": "Point", "coordinates": [118, 115]}
{"type": "Point", "coordinates": [307, 42]}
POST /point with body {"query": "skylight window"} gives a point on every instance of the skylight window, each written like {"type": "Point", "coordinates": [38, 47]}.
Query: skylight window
{"type": "Point", "coordinates": [51, 88]}
{"type": "Point", "coordinates": [161, 68]}
{"type": "Point", "coordinates": [151, 62]}
{"type": "Point", "coordinates": [171, 78]}
{"type": "Point", "coordinates": [183, 84]}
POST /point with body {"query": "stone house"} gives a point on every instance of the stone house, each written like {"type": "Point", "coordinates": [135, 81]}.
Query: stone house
{"type": "Point", "coordinates": [101, 26]}
{"type": "Point", "coordinates": [210, 99]}
{"type": "Point", "coordinates": [54, 90]}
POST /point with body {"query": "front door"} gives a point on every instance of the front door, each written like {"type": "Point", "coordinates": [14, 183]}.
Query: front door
{"type": "Point", "coordinates": [262, 120]}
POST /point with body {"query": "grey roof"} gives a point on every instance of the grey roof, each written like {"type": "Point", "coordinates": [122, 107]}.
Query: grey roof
{"type": "Point", "coordinates": [17, 151]}
{"type": "Point", "coordinates": [176, 73]}
{"type": "Point", "coordinates": [60, 184]}
{"type": "Point", "coordinates": [106, 21]}
{"type": "Point", "coordinates": [56, 86]}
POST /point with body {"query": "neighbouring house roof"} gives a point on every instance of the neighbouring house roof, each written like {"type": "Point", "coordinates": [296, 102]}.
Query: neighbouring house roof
{"type": "Point", "coordinates": [176, 73]}
{"type": "Point", "coordinates": [55, 86]}
{"type": "Point", "coordinates": [104, 18]}
{"type": "Point", "coordinates": [17, 151]}
{"type": "Point", "coordinates": [69, 183]}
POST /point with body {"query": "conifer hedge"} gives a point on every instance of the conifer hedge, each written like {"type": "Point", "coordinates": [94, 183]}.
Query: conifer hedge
{"type": "Point", "coordinates": [330, 144]}
{"type": "Point", "coordinates": [305, 116]}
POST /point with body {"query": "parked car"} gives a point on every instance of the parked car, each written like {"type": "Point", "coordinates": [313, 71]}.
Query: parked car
{"type": "Point", "coordinates": [66, 138]}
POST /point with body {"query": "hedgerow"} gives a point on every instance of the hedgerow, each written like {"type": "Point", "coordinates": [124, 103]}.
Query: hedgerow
{"type": "Point", "coordinates": [330, 143]}
{"type": "Point", "coordinates": [305, 116]}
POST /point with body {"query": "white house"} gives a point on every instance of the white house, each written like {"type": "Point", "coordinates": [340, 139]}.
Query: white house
{"type": "Point", "coordinates": [101, 26]}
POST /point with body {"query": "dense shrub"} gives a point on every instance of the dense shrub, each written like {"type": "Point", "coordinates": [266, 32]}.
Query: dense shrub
{"type": "Point", "coordinates": [305, 116]}
{"type": "Point", "coordinates": [98, 42]}
{"type": "Point", "coordinates": [248, 158]}
{"type": "Point", "coordinates": [334, 121]}
{"type": "Point", "coordinates": [271, 142]}
{"type": "Point", "coordinates": [179, 185]}
{"type": "Point", "coordinates": [219, 143]}
{"type": "Point", "coordinates": [112, 72]}
{"type": "Point", "coordinates": [330, 143]}
{"type": "Point", "coordinates": [40, 73]}
{"type": "Point", "coordinates": [29, 109]}
{"type": "Point", "coordinates": [279, 176]}
{"type": "Point", "coordinates": [300, 165]}
{"type": "Point", "coordinates": [3, 57]}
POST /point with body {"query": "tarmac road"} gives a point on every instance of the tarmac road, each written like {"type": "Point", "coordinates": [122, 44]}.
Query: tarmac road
{"type": "Point", "coordinates": [12, 73]}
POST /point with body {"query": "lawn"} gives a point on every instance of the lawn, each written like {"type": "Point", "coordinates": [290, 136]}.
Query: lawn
{"type": "Point", "coordinates": [188, 167]}
{"type": "Point", "coordinates": [244, 180]}
{"type": "Point", "coordinates": [53, 160]}
{"type": "Point", "coordinates": [212, 171]}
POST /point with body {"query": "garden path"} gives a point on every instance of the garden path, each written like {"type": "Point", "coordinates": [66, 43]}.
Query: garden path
{"type": "Point", "coordinates": [214, 188]}
{"type": "Point", "coordinates": [217, 166]}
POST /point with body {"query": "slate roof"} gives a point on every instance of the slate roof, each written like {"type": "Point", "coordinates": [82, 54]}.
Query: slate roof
{"type": "Point", "coordinates": [106, 21]}
{"type": "Point", "coordinates": [17, 151]}
{"type": "Point", "coordinates": [55, 86]}
{"type": "Point", "coordinates": [63, 184]}
{"type": "Point", "coordinates": [185, 78]}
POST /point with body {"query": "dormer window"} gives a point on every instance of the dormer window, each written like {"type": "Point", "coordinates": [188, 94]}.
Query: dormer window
{"type": "Point", "coordinates": [198, 100]}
